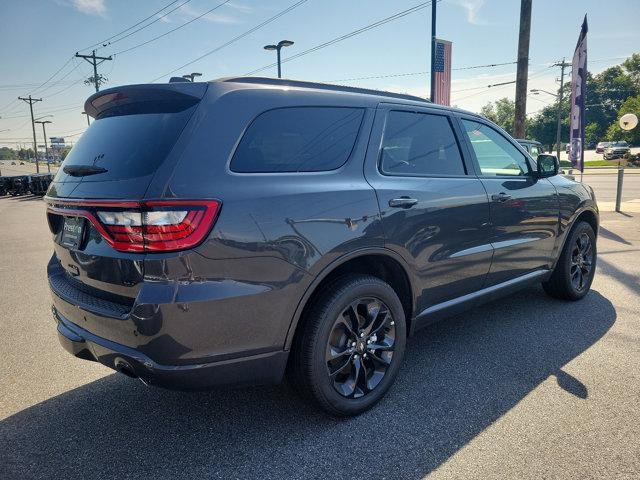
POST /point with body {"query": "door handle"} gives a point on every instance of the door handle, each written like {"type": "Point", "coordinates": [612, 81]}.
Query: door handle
{"type": "Point", "coordinates": [402, 202]}
{"type": "Point", "coordinates": [500, 197]}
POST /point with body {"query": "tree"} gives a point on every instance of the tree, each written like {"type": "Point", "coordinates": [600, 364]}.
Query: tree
{"type": "Point", "coordinates": [7, 153]}
{"type": "Point", "coordinates": [606, 93]}
{"type": "Point", "coordinates": [614, 132]}
{"type": "Point", "coordinates": [65, 151]}
{"type": "Point", "coordinates": [502, 112]}
{"type": "Point", "coordinates": [25, 153]}
{"type": "Point", "coordinates": [591, 133]}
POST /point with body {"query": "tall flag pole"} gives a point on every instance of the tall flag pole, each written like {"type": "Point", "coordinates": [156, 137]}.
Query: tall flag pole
{"type": "Point", "coordinates": [442, 73]}
{"type": "Point", "coordinates": [578, 94]}
{"type": "Point", "coordinates": [433, 50]}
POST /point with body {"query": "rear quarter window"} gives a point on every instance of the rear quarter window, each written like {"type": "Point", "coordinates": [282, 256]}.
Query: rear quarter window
{"type": "Point", "coordinates": [298, 139]}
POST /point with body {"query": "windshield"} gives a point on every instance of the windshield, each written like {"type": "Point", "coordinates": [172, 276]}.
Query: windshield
{"type": "Point", "coordinates": [123, 147]}
{"type": "Point", "coordinates": [619, 144]}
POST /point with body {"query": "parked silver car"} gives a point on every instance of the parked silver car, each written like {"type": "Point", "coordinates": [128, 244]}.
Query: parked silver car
{"type": "Point", "coordinates": [616, 150]}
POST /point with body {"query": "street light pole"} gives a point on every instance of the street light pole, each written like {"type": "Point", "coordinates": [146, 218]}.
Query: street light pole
{"type": "Point", "coordinates": [559, 114]}
{"type": "Point", "coordinates": [46, 148]}
{"type": "Point", "coordinates": [191, 76]}
{"type": "Point", "coordinates": [277, 48]}
{"type": "Point", "coordinates": [559, 127]}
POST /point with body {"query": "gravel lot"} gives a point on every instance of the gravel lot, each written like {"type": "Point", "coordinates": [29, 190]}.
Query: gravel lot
{"type": "Point", "coordinates": [527, 387]}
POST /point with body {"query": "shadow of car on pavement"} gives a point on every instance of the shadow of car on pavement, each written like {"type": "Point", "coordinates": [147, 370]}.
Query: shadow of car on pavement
{"type": "Point", "coordinates": [460, 375]}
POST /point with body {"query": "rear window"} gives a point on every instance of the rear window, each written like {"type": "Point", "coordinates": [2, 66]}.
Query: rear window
{"type": "Point", "coordinates": [127, 146]}
{"type": "Point", "coordinates": [298, 139]}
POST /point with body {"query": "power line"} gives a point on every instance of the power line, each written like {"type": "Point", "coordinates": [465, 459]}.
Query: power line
{"type": "Point", "coordinates": [57, 82]}
{"type": "Point", "coordinates": [366, 28]}
{"type": "Point", "coordinates": [503, 85]}
{"type": "Point", "coordinates": [157, 19]}
{"type": "Point", "coordinates": [408, 74]}
{"type": "Point", "coordinates": [46, 112]}
{"type": "Point", "coordinates": [99, 44]}
{"type": "Point", "coordinates": [172, 30]}
{"type": "Point", "coordinates": [235, 39]}
{"type": "Point", "coordinates": [54, 74]}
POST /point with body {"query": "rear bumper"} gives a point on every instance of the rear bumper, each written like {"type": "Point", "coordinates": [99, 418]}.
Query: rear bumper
{"type": "Point", "coordinates": [265, 368]}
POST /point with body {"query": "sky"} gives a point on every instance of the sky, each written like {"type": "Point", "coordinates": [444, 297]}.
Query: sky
{"type": "Point", "coordinates": [39, 38]}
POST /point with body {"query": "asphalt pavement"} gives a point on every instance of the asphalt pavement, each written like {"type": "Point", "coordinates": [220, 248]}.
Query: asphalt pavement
{"type": "Point", "coordinates": [606, 185]}
{"type": "Point", "coordinates": [524, 387]}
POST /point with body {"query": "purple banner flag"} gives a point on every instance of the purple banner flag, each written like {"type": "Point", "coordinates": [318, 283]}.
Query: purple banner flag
{"type": "Point", "coordinates": [578, 94]}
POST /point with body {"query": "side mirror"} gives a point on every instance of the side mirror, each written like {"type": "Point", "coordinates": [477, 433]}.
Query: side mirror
{"type": "Point", "coordinates": [548, 165]}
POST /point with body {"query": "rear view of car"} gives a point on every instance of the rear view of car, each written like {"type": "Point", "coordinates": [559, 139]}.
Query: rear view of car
{"type": "Point", "coordinates": [103, 225]}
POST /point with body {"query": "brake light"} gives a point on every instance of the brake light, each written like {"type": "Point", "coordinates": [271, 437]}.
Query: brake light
{"type": "Point", "coordinates": [152, 226]}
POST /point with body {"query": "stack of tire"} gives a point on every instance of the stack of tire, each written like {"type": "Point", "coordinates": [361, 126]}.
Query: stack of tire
{"type": "Point", "coordinates": [18, 185]}
{"type": "Point", "coordinates": [4, 186]}
{"type": "Point", "coordinates": [39, 183]}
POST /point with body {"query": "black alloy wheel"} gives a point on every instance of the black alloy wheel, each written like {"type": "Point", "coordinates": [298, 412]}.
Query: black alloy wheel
{"type": "Point", "coordinates": [573, 274]}
{"type": "Point", "coordinates": [360, 347]}
{"type": "Point", "coordinates": [581, 261]}
{"type": "Point", "coordinates": [349, 349]}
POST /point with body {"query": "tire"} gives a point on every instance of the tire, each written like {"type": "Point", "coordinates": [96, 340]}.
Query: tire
{"type": "Point", "coordinates": [326, 367]}
{"type": "Point", "coordinates": [572, 277]}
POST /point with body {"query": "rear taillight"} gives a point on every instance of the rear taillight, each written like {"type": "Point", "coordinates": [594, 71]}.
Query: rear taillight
{"type": "Point", "coordinates": [151, 226]}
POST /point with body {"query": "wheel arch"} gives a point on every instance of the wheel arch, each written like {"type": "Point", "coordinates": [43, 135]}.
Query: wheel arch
{"type": "Point", "coordinates": [587, 214]}
{"type": "Point", "coordinates": [379, 262]}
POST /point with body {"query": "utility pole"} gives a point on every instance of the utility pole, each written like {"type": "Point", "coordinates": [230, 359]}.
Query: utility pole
{"type": "Point", "coordinates": [31, 101]}
{"type": "Point", "coordinates": [46, 148]}
{"type": "Point", "coordinates": [433, 50]}
{"type": "Point", "coordinates": [523, 68]}
{"type": "Point", "coordinates": [562, 66]}
{"type": "Point", "coordinates": [93, 60]}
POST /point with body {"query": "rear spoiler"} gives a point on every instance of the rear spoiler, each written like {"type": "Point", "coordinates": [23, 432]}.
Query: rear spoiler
{"type": "Point", "coordinates": [147, 98]}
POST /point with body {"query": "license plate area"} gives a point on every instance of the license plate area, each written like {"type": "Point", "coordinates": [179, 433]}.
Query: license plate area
{"type": "Point", "coordinates": [72, 232]}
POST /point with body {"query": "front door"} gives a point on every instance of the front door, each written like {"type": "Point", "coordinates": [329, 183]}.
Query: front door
{"type": "Point", "coordinates": [435, 213]}
{"type": "Point", "coordinates": [524, 209]}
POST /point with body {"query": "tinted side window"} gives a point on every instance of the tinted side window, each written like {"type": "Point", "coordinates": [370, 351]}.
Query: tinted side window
{"type": "Point", "coordinates": [420, 144]}
{"type": "Point", "coordinates": [299, 139]}
{"type": "Point", "coordinates": [496, 155]}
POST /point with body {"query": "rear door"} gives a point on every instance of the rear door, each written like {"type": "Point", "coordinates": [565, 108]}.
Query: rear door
{"type": "Point", "coordinates": [524, 209]}
{"type": "Point", "coordinates": [435, 211]}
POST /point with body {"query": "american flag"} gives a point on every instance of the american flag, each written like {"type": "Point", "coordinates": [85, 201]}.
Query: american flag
{"type": "Point", "coordinates": [442, 70]}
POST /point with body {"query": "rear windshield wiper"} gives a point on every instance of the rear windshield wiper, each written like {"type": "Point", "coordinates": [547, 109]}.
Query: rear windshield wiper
{"type": "Point", "coordinates": [82, 170]}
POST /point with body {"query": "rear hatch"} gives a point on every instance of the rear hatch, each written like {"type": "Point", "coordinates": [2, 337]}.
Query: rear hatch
{"type": "Point", "coordinates": [96, 203]}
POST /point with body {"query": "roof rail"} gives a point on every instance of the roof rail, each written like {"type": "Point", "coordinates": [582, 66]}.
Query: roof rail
{"type": "Point", "coordinates": [320, 86]}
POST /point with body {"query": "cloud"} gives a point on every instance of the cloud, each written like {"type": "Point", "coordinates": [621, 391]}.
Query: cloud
{"type": "Point", "coordinates": [90, 7]}
{"type": "Point", "coordinates": [240, 7]}
{"type": "Point", "coordinates": [472, 7]}
{"type": "Point", "coordinates": [213, 17]}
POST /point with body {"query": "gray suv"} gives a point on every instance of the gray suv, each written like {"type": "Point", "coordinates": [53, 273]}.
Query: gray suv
{"type": "Point", "coordinates": [243, 229]}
